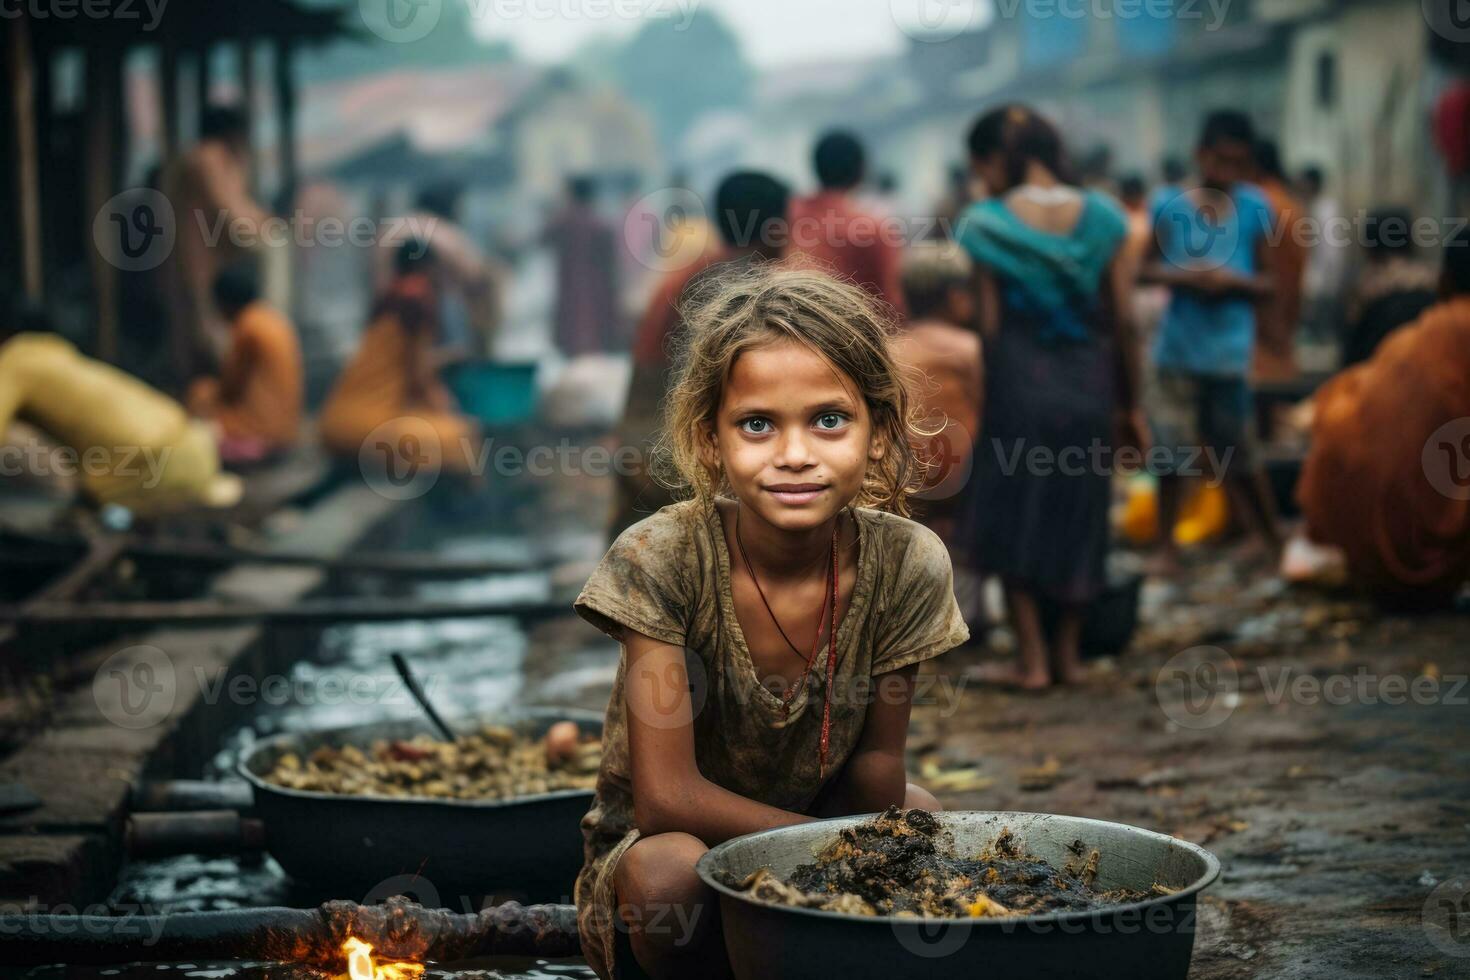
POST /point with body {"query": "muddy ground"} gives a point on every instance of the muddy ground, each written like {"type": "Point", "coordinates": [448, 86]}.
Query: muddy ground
{"type": "Point", "coordinates": [1319, 747]}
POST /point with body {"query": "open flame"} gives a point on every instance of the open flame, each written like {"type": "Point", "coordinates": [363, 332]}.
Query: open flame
{"type": "Point", "coordinates": [360, 965]}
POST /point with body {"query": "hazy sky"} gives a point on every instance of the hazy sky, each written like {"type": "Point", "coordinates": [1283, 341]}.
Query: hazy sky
{"type": "Point", "coordinates": [773, 32]}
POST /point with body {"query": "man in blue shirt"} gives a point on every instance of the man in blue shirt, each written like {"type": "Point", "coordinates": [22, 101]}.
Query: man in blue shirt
{"type": "Point", "coordinates": [1209, 248]}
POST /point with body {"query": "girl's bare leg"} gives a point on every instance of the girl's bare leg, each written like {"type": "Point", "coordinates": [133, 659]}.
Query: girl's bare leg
{"type": "Point", "coordinates": [671, 916]}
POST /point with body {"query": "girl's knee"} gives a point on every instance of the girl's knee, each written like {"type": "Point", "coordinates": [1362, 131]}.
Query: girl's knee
{"type": "Point", "coordinates": [916, 797]}
{"type": "Point", "coordinates": [660, 869]}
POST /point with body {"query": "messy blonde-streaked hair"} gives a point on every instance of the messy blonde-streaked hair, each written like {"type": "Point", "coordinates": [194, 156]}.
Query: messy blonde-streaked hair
{"type": "Point", "coordinates": [729, 313]}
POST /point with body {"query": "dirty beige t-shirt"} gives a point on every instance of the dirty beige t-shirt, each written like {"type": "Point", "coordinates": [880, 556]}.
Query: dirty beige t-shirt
{"type": "Point", "coordinates": [668, 577]}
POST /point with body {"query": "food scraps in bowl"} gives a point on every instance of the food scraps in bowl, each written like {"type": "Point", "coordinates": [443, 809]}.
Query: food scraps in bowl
{"type": "Point", "coordinates": [495, 762]}
{"type": "Point", "coordinates": [904, 863]}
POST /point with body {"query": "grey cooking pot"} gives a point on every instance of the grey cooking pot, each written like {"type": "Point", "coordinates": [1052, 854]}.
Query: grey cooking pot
{"type": "Point", "coordinates": [531, 843]}
{"type": "Point", "coordinates": [1149, 940]}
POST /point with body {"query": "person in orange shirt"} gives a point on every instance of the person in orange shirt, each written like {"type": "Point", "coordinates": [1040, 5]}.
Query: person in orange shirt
{"type": "Point", "coordinates": [750, 213]}
{"type": "Point", "coordinates": [942, 347]}
{"type": "Point", "coordinates": [1278, 315]}
{"type": "Point", "coordinates": [389, 404]}
{"type": "Point", "coordinates": [1387, 479]}
{"type": "Point", "coordinates": [834, 230]}
{"type": "Point", "coordinates": [255, 403]}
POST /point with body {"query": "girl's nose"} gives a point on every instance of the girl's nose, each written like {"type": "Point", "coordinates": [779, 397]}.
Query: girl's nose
{"type": "Point", "coordinates": [793, 450]}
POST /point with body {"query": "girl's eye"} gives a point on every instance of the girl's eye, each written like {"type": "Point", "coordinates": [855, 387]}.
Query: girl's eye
{"type": "Point", "coordinates": [831, 420]}
{"type": "Point", "coordinates": [756, 426]}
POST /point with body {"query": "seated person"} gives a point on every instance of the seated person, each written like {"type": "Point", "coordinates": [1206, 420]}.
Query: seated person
{"type": "Point", "coordinates": [124, 442]}
{"type": "Point", "coordinates": [255, 403]}
{"type": "Point", "coordinates": [1388, 477]}
{"type": "Point", "coordinates": [389, 400]}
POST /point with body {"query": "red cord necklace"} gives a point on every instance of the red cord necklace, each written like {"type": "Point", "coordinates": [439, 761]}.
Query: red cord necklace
{"type": "Point", "coordinates": [829, 600]}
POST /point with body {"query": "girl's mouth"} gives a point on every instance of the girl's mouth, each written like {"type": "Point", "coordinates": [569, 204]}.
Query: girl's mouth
{"type": "Point", "coordinates": [795, 494]}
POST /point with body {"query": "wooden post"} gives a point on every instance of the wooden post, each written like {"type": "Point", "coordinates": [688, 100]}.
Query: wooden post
{"type": "Point", "coordinates": [286, 121]}
{"type": "Point", "coordinates": [247, 106]}
{"type": "Point", "coordinates": [22, 84]}
{"type": "Point", "coordinates": [285, 78]}
{"type": "Point", "coordinates": [103, 63]}
{"type": "Point", "coordinates": [201, 80]}
{"type": "Point", "coordinates": [168, 87]}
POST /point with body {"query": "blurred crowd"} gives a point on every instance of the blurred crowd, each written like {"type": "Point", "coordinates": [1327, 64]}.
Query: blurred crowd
{"type": "Point", "coordinates": [1160, 358]}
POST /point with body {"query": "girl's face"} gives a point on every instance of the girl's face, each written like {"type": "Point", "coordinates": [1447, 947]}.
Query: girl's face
{"type": "Point", "coordinates": [793, 435]}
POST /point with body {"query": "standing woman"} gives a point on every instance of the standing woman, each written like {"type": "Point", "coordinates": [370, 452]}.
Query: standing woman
{"type": "Point", "coordinates": [1062, 375]}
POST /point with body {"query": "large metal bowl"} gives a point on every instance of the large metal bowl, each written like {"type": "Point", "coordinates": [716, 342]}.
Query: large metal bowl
{"type": "Point", "coordinates": [1149, 940]}
{"type": "Point", "coordinates": [528, 843]}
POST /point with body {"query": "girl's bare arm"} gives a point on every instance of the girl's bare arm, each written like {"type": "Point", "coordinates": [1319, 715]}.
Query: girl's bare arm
{"type": "Point", "coordinates": [874, 776]}
{"type": "Point", "coordinates": [669, 792]}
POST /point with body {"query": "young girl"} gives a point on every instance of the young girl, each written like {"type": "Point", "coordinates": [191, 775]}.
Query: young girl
{"type": "Point", "coordinates": [771, 626]}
